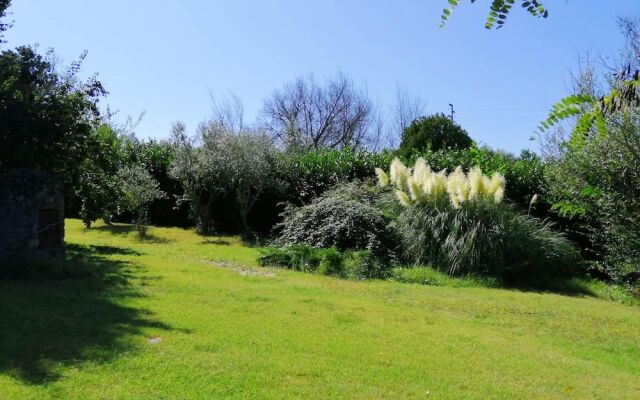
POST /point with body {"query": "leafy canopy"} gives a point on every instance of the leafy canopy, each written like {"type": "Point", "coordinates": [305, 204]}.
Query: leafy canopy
{"type": "Point", "coordinates": [436, 132]}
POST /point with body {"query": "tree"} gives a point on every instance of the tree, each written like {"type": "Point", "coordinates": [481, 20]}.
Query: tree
{"type": "Point", "coordinates": [139, 190]}
{"type": "Point", "coordinates": [307, 115]}
{"type": "Point", "coordinates": [597, 186]}
{"type": "Point", "coordinates": [46, 117]}
{"type": "Point", "coordinates": [99, 188]}
{"type": "Point", "coordinates": [242, 163]}
{"type": "Point", "coordinates": [199, 183]}
{"type": "Point", "coordinates": [4, 4]}
{"type": "Point", "coordinates": [499, 11]}
{"type": "Point", "coordinates": [250, 170]}
{"type": "Point", "coordinates": [434, 133]}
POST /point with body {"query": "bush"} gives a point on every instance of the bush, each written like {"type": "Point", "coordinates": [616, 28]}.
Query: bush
{"type": "Point", "coordinates": [458, 224]}
{"type": "Point", "coordinates": [437, 132]}
{"type": "Point", "coordinates": [350, 264]}
{"type": "Point", "coordinates": [351, 216]}
{"type": "Point", "coordinates": [311, 173]}
{"type": "Point", "coordinates": [596, 183]}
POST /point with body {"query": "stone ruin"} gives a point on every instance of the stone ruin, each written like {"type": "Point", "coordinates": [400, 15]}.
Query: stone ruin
{"type": "Point", "coordinates": [31, 215]}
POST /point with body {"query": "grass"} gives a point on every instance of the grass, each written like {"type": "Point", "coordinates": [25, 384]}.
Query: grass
{"type": "Point", "coordinates": [180, 317]}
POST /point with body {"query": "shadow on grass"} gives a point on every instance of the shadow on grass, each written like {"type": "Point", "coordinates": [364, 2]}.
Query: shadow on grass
{"type": "Point", "coordinates": [562, 286]}
{"type": "Point", "coordinates": [77, 318]}
{"type": "Point", "coordinates": [127, 229]}
{"type": "Point", "coordinates": [115, 229]}
{"type": "Point", "coordinates": [216, 241]}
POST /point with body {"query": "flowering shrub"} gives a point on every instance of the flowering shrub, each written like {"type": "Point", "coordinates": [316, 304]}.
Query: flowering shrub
{"type": "Point", "coordinates": [350, 216]}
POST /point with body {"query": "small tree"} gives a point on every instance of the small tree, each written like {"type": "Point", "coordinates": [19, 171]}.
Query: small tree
{"type": "Point", "coordinates": [99, 187]}
{"type": "Point", "coordinates": [436, 132]}
{"type": "Point", "coordinates": [139, 189]}
{"type": "Point", "coordinates": [249, 169]}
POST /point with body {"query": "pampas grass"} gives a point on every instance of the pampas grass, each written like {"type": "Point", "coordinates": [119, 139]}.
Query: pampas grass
{"type": "Point", "coordinates": [458, 223]}
{"type": "Point", "coordinates": [421, 185]}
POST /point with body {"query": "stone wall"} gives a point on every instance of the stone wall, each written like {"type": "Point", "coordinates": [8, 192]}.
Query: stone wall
{"type": "Point", "coordinates": [31, 214]}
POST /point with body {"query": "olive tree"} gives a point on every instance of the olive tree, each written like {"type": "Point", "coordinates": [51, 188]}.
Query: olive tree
{"type": "Point", "coordinates": [139, 189]}
{"type": "Point", "coordinates": [244, 164]}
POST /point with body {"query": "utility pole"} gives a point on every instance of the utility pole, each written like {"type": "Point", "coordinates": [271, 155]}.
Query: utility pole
{"type": "Point", "coordinates": [452, 112]}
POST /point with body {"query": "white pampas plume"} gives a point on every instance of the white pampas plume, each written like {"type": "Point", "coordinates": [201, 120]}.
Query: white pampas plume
{"type": "Point", "coordinates": [383, 178]}
{"type": "Point", "coordinates": [457, 187]}
{"type": "Point", "coordinates": [496, 187]}
{"type": "Point", "coordinates": [415, 189]}
{"type": "Point", "coordinates": [403, 198]}
{"type": "Point", "coordinates": [399, 174]}
{"type": "Point", "coordinates": [476, 183]}
{"type": "Point", "coordinates": [421, 171]}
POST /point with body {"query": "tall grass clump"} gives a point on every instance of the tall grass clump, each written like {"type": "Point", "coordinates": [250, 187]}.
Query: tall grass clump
{"type": "Point", "coordinates": [458, 223]}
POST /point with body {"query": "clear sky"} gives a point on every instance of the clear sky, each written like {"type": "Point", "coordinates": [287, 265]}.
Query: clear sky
{"type": "Point", "coordinates": [165, 57]}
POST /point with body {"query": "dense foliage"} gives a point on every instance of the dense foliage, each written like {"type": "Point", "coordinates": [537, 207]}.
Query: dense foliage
{"type": "Point", "coordinates": [436, 132]}
{"type": "Point", "coordinates": [46, 117]}
{"type": "Point", "coordinates": [309, 174]}
{"type": "Point", "coordinates": [597, 185]}
{"type": "Point", "coordinates": [326, 261]}
{"type": "Point", "coordinates": [350, 216]}
{"type": "Point", "coordinates": [241, 164]}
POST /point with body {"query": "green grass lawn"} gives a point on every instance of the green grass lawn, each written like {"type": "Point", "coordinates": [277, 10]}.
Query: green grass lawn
{"type": "Point", "coordinates": [179, 317]}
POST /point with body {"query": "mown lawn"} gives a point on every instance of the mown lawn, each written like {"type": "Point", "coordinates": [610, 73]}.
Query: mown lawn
{"type": "Point", "coordinates": [178, 317]}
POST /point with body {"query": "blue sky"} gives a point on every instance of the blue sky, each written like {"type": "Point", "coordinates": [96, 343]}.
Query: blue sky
{"type": "Point", "coordinates": [165, 57]}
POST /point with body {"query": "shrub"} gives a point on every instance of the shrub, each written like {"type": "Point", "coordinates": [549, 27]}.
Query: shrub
{"type": "Point", "coordinates": [437, 132]}
{"type": "Point", "coordinates": [350, 264]}
{"type": "Point", "coordinates": [458, 224]}
{"type": "Point", "coordinates": [364, 264]}
{"type": "Point", "coordinates": [310, 174]}
{"type": "Point", "coordinates": [351, 216]}
{"type": "Point", "coordinates": [596, 183]}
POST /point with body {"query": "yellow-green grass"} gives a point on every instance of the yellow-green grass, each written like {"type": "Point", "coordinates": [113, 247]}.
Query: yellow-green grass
{"type": "Point", "coordinates": [224, 328]}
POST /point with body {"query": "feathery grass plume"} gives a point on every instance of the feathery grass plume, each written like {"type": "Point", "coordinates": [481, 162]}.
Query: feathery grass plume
{"type": "Point", "coordinates": [421, 171]}
{"type": "Point", "coordinates": [399, 174]}
{"type": "Point", "coordinates": [403, 198]}
{"type": "Point", "coordinates": [477, 188]}
{"type": "Point", "coordinates": [457, 187]}
{"type": "Point", "coordinates": [437, 184]}
{"type": "Point", "coordinates": [421, 184]}
{"type": "Point", "coordinates": [496, 187]}
{"type": "Point", "coordinates": [415, 189]}
{"type": "Point", "coordinates": [383, 178]}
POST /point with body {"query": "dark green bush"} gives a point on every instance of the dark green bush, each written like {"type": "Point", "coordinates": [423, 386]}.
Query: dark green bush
{"type": "Point", "coordinates": [596, 183]}
{"type": "Point", "coordinates": [434, 133]}
{"type": "Point", "coordinates": [309, 174]}
{"type": "Point", "coordinates": [330, 261]}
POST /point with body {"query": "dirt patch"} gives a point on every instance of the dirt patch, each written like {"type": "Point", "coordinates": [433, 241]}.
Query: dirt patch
{"type": "Point", "coordinates": [240, 270]}
{"type": "Point", "coordinates": [154, 340]}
